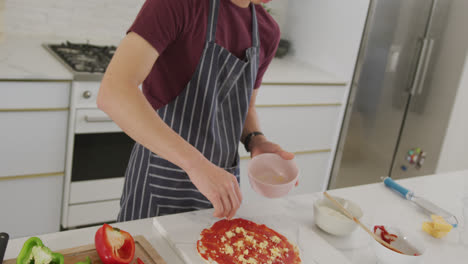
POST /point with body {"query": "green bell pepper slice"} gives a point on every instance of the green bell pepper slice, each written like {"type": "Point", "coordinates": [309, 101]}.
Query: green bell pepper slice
{"type": "Point", "coordinates": [34, 252]}
{"type": "Point", "coordinates": [88, 261]}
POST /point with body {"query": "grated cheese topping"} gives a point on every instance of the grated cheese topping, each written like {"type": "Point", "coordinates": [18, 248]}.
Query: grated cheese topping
{"type": "Point", "coordinates": [228, 249]}
{"type": "Point", "coordinates": [230, 234]}
{"type": "Point", "coordinates": [275, 239]}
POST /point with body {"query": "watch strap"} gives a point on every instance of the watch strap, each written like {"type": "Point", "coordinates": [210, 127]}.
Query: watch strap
{"type": "Point", "coordinates": [249, 137]}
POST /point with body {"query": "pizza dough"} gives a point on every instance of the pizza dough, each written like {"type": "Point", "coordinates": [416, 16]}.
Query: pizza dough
{"type": "Point", "coordinates": [241, 241]}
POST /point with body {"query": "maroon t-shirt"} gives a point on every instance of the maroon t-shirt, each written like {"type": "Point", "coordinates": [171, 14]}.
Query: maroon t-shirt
{"type": "Point", "coordinates": [177, 30]}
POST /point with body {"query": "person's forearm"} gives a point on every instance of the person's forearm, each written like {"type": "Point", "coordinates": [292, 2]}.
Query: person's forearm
{"type": "Point", "coordinates": [252, 122]}
{"type": "Point", "coordinates": [130, 110]}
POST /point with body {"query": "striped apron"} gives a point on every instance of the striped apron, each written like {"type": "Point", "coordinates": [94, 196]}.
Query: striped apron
{"type": "Point", "coordinates": [210, 115]}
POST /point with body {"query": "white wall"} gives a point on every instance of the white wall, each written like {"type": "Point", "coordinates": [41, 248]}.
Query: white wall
{"type": "Point", "coordinates": [279, 10]}
{"type": "Point", "coordinates": [2, 12]}
{"type": "Point", "coordinates": [105, 19]}
{"type": "Point", "coordinates": [327, 33]}
{"type": "Point", "coordinates": [454, 153]}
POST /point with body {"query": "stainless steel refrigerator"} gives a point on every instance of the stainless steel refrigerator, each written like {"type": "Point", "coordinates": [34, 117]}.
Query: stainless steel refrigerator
{"type": "Point", "coordinates": [398, 110]}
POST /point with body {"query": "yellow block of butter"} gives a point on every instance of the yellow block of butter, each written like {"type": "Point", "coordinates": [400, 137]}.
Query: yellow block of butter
{"type": "Point", "coordinates": [438, 228]}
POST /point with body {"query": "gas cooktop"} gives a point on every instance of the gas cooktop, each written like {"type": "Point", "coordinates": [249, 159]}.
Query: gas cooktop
{"type": "Point", "coordinates": [87, 62]}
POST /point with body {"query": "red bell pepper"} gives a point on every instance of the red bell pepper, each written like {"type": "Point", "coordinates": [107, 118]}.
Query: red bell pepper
{"type": "Point", "coordinates": [114, 246]}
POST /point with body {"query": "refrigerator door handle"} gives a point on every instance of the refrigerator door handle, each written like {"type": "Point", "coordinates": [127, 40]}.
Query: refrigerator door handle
{"type": "Point", "coordinates": [419, 68]}
{"type": "Point", "coordinates": [427, 59]}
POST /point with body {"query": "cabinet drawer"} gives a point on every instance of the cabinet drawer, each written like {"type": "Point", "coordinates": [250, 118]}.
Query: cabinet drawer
{"type": "Point", "coordinates": [313, 173]}
{"type": "Point", "coordinates": [34, 95]}
{"type": "Point", "coordinates": [299, 128]}
{"type": "Point", "coordinates": [32, 142]}
{"type": "Point", "coordinates": [85, 94]}
{"type": "Point", "coordinates": [97, 190]}
{"type": "Point", "coordinates": [94, 121]}
{"type": "Point", "coordinates": [93, 213]}
{"type": "Point", "coordinates": [300, 94]}
{"type": "Point", "coordinates": [31, 206]}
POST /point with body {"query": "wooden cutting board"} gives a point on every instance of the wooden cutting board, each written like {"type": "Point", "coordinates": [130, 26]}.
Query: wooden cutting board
{"type": "Point", "coordinates": [143, 250]}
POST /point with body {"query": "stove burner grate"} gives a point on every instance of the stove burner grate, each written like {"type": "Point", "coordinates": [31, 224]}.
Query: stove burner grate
{"type": "Point", "coordinates": [84, 58]}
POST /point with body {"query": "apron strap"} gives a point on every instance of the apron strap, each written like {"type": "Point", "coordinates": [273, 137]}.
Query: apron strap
{"type": "Point", "coordinates": [212, 21]}
{"type": "Point", "coordinates": [255, 34]}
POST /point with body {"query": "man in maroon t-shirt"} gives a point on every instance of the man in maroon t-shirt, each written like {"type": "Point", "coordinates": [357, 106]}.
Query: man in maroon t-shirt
{"type": "Point", "coordinates": [200, 62]}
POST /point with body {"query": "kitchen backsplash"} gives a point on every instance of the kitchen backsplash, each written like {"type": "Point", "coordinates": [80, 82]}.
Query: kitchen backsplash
{"type": "Point", "coordinates": [2, 18]}
{"type": "Point", "coordinates": [101, 19]}
{"type": "Point", "coordinates": [108, 19]}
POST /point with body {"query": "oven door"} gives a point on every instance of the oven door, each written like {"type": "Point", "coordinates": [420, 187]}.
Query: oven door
{"type": "Point", "coordinates": [99, 156]}
{"type": "Point", "coordinates": [101, 152]}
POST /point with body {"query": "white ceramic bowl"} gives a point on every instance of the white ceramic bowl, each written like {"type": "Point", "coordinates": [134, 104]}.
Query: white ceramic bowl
{"type": "Point", "coordinates": [403, 243]}
{"type": "Point", "coordinates": [272, 176]}
{"type": "Point", "coordinates": [333, 221]}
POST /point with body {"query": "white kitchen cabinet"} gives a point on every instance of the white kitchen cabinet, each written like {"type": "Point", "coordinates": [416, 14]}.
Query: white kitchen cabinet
{"type": "Point", "coordinates": [34, 95]}
{"type": "Point", "coordinates": [92, 213]}
{"type": "Point", "coordinates": [312, 172]}
{"type": "Point", "coordinates": [94, 121]}
{"type": "Point", "coordinates": [32, 142]}
{"type": "Point", "coordinates": [30, 206]}
{"type": "Point", "coordinates": [299, 128]}
{"type": "Point", "coordinates": [302, 94]}
{"type": "Point", "coordinates": [96, 190]}
{"type": "Point", "coordinates": [34, 119]}
{"type": "Point", "coordinates": [303, 118]}
{"type": "Point", "coordinates": [307, 131]}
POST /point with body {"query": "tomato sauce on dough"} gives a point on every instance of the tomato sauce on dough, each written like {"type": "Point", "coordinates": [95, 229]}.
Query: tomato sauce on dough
{"type": "Point", "coordinates": [242, 241]}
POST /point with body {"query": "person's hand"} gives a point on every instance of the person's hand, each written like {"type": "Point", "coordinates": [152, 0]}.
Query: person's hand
{"type": "Point", "coordinates": [260, 145]}
{"type": "Point", "coordinates": [218, 186]}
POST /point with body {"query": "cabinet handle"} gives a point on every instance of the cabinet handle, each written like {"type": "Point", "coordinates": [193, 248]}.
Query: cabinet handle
{"type": "Point", "coordinates": [419, 68]}
{"type": "Point", "coordinates": [87, 94]}
{"type": "Point", "coordinates": [427, 59]}
{"type": "Point", "coordinates": [29, 176]}
{"type": "Point", "coordinates": [15, 110]}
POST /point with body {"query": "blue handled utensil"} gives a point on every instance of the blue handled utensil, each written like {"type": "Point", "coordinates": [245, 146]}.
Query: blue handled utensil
{"type": "Point", "coordinates": [426, 205]}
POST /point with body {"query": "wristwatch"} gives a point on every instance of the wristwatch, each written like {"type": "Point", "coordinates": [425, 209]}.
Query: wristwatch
{"type": "Point", "coordinates": [249, 137]}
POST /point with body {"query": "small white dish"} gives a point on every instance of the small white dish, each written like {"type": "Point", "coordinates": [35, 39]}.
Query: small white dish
{"type": "Point", "coordinates": [404, 243]}
{"type": "Point", "coordinates": [328, 216]}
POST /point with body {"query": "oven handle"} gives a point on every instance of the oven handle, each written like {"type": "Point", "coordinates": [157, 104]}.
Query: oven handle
{"type": "Point", "coordinates": [97, 118]}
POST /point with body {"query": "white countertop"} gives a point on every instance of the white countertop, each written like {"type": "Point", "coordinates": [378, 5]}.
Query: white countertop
{"type": "Point", "coordinates": [289, 70]}
{"type": "Point", "coordinates": [24, 58]}
{"type": "Point", "coordinates": [183, 231]}
{"type": "Point", "coordinates": [380, 206]}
